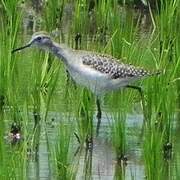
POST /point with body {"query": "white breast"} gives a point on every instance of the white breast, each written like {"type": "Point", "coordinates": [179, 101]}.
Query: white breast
{"type": "Point", "coordinates": [88, 77]}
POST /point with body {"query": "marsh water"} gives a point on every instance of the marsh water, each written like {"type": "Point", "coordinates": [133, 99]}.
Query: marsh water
{"type": "Point", "coordinates": [47, 113]}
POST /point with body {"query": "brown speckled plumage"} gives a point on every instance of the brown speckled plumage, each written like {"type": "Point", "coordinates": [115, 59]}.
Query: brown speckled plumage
{"type": "Point", "coordinates": [112, 67]}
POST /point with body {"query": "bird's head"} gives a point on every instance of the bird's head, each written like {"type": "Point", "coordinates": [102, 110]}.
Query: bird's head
{"type": "Point", "coordinates": [39, 39]}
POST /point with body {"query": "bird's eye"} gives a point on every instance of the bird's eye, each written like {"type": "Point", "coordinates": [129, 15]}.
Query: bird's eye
{"type": "Point", "coordinates": [39, 38]}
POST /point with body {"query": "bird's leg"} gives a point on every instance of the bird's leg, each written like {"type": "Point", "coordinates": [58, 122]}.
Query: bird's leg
{"type": "Point", "coordinates": [99, 113]}
{"type": "Point", "coordinates": [78, 41]}
{"type": "Point", "coordinates": [142, 99]}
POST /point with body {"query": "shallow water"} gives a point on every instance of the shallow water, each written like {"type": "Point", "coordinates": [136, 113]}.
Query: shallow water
{"type": "Point", "coordinates": [103, 156]}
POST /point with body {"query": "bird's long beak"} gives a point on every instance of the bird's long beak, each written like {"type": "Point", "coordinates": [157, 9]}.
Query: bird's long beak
{"type": "Point", "coordinates": [20, 48]}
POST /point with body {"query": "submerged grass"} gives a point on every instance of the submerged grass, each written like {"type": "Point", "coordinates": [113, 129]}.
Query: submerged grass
{"type": "Point", "coordinates": [119, 139]}
{"type": "Point", "coordinates": [118, 128]}
{"type": "Point", "coordinates": [84, 118]}
{"type": "Point", "coordinates": [63, 153]}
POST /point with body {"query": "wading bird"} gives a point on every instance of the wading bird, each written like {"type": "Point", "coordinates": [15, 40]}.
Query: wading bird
{"type": "Point", "coordinates": [99, 73]}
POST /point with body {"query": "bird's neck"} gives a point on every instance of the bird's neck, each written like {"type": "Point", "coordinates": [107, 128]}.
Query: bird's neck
{"type": "Point", "coordinates": [60, 51]}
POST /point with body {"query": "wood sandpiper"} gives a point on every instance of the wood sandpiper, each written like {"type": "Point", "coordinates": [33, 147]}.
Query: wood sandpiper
{"type": "Point", "coordinates": [99, 73]}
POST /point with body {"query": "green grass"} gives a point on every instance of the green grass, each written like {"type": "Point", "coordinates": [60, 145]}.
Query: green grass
{"type": "Point", "coordinates": [34, 85]}
{"type": "Point", "coordinates": [118, 127]}
{"type": "Point", "coordinates": [84, 117]}
{"type": "Point", "coordinates": [63, 155]}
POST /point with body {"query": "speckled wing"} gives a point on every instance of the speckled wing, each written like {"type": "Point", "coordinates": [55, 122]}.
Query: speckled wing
{"type": "Point", "coordinates": [112, 67]}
